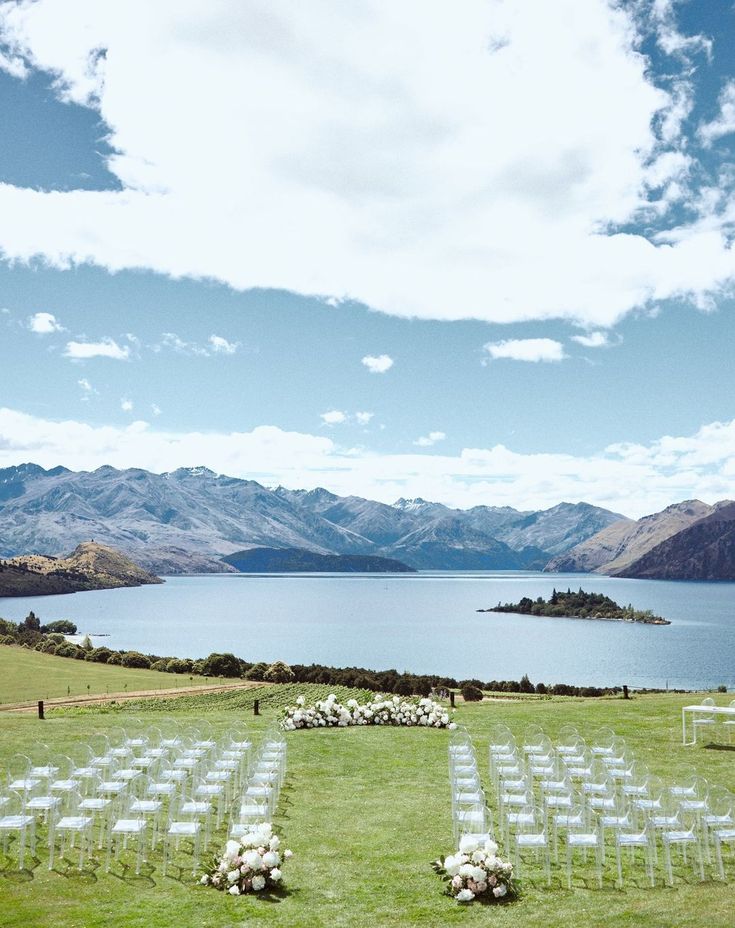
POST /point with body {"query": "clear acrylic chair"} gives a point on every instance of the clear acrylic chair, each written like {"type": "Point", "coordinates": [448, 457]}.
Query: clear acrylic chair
{"type": "Point", "coordinates": [182, 826]}
{"type": "Point", "coordinates": [729, 723]}
{"type": "Point", "coordinates": [247, 812]}
{"type": "Point", "coordinates": [585, 838]}
{"type": "Point", "coordinates": [684, 835]}
{"type": "Point", "coordinates": [18, 775]}
{"type": "Point", "coordinates": [720, 814]}
{"type": "Point", "coordinates": [15, 821]}
{"type": "Point", "coordinates": [124, 831]}
{"type": "Point", "coordinates": [75, 824]}
{"type": "Point", "coordinates": [501, 739]}
{"type": "Point", "coordinates": [704, 722]}
{"type": "Point", "coordinates": [602, 742]}
{"type": "Point", "coordinates": [569, 741]}
{"type": "Point", "coordinates": [632, 841]}
{"type": "Point", "coordinates": [470, 818]}
{"type": "Point", "coordinates": [722, 835]}
{"type": "Point", "coordinates": [531, 836]}
{"type": "Point", "coordinates": [563, 814]}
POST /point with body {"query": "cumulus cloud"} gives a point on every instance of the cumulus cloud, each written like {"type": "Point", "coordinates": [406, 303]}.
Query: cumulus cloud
{"type": "Point", "coordinates": [426, 441]}
{"type": "Point", "coordinates": [495, 164]}
{"type": "Point", "coordinates": [334, 417]}
{"type": "Point", "coordinates": [592, 340]}
{"type": "Point", "coordinates": [526, 349]}
{"type": "Point", "coordinates": [631, 478]}
{"type": "Point", "coordinates": [105, 348]}
{"type": "Point", "coordinates": [126, 404]}
{"type": "Point", "coordinates": [363, 418]}
{"type": "Point", "coordinates": [220, 345]}
{"type": "Point", "coordinates": [378, 364]}
{"type": "Point", "coordinates": [724, 122]}
{"type": "Point", "coordinates": [44, 323]}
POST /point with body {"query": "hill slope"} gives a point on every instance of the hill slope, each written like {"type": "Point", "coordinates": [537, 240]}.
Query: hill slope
{"type": "Point", "coordinates": [703, 551]}
{"type": "Point", "coordinates": [90, 566]}
{"type": "Point", "coordinates": [296, 560]}
{"type": "Point", "coordinates": [616, 547]}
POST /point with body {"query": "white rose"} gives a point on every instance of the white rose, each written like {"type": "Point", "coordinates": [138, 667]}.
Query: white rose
{"type": "Point", "coordinates": [465, 895]}
{"type": "Point", "coordinates": [451, 726]}
{"type": "Point", "coordinates": [287, 854]}
{"type": "Point", "coordinates": [258, 883]}
{"type": "Point", "coordinates": [232, 849]}
{"type": "Point", "coordinates": [276, 874]}
{"type": "Point", "coordinates": [204, 880]}
{"type": "Point", "coordinates": [491, 847]}
{"type": "Point", "coordinates": [271, 859]}
{"type": "Point", "coordinates": [478, 857]}
{"type": "Point", "coordinates": [478, 874]}
{"type": "Point", "coordinates": [274, 843]}
{"type": "Point", "coordinates": [468, 844]}
{"type": "Point", "coordinates": [466, 871]}
{"type": "Point", "coordinates": [253, 860]}
{"type": "Point", "coordinates": [451, 865]}
{"type": "Point", "coordinates": [500, 891]}
{"type": "Point", "coordinates": [234, 890]}
{"type": "Point", "coordinates": [233, 875]}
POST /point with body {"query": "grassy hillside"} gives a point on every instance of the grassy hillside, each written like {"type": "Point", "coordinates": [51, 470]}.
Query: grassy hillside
{"type": "Point", "coordinates": [366, 810]}
{"type": "Point", "coordinates": [29, 675]}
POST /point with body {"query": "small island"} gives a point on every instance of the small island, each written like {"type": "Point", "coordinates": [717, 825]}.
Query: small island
{"type": "Point", "coordinates": [580, 605]}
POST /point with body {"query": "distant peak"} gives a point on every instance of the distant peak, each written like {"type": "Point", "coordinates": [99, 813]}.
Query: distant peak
{"type": "Point", "coordinates": [407, 505]}
{"type": "Point", "coordinates": [192, 472]}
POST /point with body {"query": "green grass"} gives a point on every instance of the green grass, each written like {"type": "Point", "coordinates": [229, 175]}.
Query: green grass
{"type": "Point", "coordinates": [26, 676]}
{"type": "Point", "coordinates": [365, 811]}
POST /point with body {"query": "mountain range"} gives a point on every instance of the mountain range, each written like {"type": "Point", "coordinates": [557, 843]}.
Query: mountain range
{"type": "Point", "coordinates": [186, 521]}
{"type": "Point", "coordinates": [686, 541]}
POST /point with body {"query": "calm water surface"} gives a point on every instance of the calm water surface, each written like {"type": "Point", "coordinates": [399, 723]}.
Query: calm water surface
{"type": "Point", "coordinates": [426, 623]}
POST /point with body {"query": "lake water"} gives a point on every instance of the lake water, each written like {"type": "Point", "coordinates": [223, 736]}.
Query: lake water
{"type": "Point", "coordinates": [425, 623]}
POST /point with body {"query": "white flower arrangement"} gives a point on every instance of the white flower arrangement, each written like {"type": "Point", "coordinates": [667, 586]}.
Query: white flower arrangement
{"type": "Point", "coordinates": [476, 870]}
{"type": "Point", "coordinates": [249, 864]}
{"type": "Point", "coordinates": [328, 713]}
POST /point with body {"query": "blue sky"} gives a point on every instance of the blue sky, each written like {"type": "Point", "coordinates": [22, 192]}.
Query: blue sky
{"type": "Point", "coordinates": [194, 273]}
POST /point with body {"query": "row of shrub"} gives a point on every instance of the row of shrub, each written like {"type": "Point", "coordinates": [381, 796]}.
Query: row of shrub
{"type": "Point", "coordinates": [50, 640]}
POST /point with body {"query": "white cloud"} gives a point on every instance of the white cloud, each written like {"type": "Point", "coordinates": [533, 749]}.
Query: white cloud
{"type": "Point", "coordinates": [724, 122]}
{"type": "Point", "coordinates": [426, 441]}
{"type": "Point", "coordinates": [44, 323]}
{"type": "Point", "coordinates": [220, 345]}
{"type": "Point", "coordinates": [14, 66]}
{"type": "Point", "coordinates": [631, 478]}
{"type": "Point", "coordinates": [334, 417]}
{"type": "Point", "coordinates": [484, 169]}
{"type": "Point", "coordinates": [526, 349]}
{"type": "Point", "coordinates": [104, 348]}
{"type": "Point", "coordinates": [592, 340]}
{"type": "Point", "coordinates": [363, 418]}
{"type": "Point", "coordinates": [85, 385]}
{"type": "Point", "coordinates": [181, 346]}
{"type": "Point", "coordinates": [378, 364]}
{"type": "Point", "coordinates": [156, 409]}
{"type": "Point", "coordinates": [126, 404]}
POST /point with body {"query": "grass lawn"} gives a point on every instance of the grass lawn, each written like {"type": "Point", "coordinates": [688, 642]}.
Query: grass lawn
{"type": "Point", "coordinates": [365, 811]}
{"type": "Point", "coordinates": [28, 675]}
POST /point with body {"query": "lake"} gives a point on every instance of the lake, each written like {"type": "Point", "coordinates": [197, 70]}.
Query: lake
{"type": "Point", "coordinates": [425, 623]}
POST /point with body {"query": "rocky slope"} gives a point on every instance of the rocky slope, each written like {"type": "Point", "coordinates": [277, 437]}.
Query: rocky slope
{"type": "Point", "coordinates": [91, 566]}
{"type": "Point", "coordinates": [612, 550]}
{"type": "Point", "coordinates": [702, 551]}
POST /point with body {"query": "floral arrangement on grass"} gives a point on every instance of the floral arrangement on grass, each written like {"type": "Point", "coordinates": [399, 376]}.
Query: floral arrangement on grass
{"type": "Point", "coordinates": [250, 864]}
{"type": "Point", "coordinates": [476, 870]}
{"type": "Point", "coordinates": [328, 712]}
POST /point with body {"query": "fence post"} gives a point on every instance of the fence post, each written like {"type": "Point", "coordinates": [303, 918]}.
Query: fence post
{"type": "Point", "coordinates": [256, 707]}
{"type": "Point", "coordinates": [40, 709]}
{"type": "Point", "coordinates": [625, 692]}
{"type": "Point", "coordinates": [451, 698]}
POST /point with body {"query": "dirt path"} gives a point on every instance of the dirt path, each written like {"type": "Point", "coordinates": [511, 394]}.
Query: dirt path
{"type": "Point", "coordinates": [127, 696]}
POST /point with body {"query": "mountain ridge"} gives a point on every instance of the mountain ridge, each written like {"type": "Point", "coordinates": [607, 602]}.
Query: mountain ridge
{"type": "Point", "coordinates": [187, 519]}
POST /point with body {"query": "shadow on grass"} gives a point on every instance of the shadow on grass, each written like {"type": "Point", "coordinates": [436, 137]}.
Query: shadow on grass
{"type": "Point", "coordinates": [712, 746]}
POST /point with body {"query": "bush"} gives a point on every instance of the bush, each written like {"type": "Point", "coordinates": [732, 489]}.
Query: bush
{"type": "Point", "coordinates": [159, 665]}
{"type": "Point", "coordinates": [221, 665]}
{"type": "Point", "coordinates": [49, 646]}
{"type": "Point", "coordinates": [135, 659]}
{"type": "Point", "coordinates": [62, 626]}
{"type": "Point", "coordinates": [278, 672]}
{"type": "Point", "coordinates": [471, 693]}
{"type": "Point", "coordinates": [100, 655]}
{"type": "Point", "coordinates": [8, 629]}
{"type": "Point", "coordinates": [722, 688]}
{"type": "Point", "coordinates": [66, 649]}
{"type": "Point", "coordinates": [256, 672]}
{"type": "Point", "coordinates": [177, 665]}
{"type": "Point", "coordinates": [114, 658]}
{"type": "Point", "coordinates": [7, 639]}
